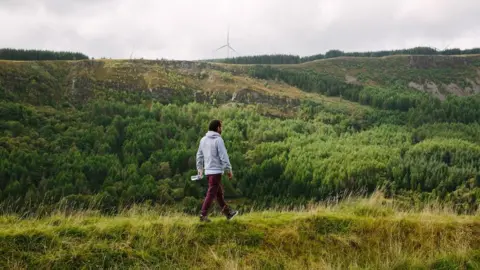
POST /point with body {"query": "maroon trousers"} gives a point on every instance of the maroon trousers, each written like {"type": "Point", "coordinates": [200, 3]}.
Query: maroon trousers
{"type": "Point", "coordinates": [215, 190]}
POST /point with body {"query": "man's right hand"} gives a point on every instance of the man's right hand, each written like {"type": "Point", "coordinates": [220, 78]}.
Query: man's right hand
{"type": "Point", "coordinates": [230, 175]}
{"type": "Point", "coordinates": [200, 173]}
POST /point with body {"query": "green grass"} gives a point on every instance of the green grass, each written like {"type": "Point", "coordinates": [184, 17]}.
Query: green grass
{"type": "Point", "coordinates": [358, 234]}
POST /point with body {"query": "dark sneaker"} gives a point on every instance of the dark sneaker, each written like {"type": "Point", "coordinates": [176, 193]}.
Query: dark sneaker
{"type": "Point", "coordinates": [231, 214]}
{"type": "Point", "coordinates": [204, 219]}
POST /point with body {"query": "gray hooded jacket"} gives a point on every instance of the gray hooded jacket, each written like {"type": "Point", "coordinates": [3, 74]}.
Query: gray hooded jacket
{"type": "Point", "coordinates": [212, 154]}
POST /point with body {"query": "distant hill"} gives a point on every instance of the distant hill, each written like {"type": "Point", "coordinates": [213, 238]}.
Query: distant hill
{"type": "Point", "coordinates": [436, 75]}
{"type": "Point", "coordinates": [295, 59]}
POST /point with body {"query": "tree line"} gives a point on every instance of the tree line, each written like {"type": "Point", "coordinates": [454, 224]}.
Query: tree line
{"type": "Point", "coordinates": [37, 55]}
{"type": "Point", "coordinates": [295, 59]}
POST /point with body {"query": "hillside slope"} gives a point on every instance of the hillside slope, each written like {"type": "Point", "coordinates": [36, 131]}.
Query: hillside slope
{"type": "Point", "coordinates": [127, 131]}
{"type": "Point", "coordinates": [437, 75]}
{"type": "Point", "coordinates": [78, 82]}
{"type": "Point", "coordinates": [365, 234]}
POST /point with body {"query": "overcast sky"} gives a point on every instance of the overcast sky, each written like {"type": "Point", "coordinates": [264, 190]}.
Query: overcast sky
{"type": "Point", "coordinates": [193, 29]}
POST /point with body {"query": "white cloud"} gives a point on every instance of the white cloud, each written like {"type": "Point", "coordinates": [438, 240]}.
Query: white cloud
{"type": "Point", "coordinates": [192, 29]}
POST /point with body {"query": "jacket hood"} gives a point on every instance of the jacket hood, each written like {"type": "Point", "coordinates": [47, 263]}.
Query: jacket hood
{"type": "Point", "coordinates": [212, 134]}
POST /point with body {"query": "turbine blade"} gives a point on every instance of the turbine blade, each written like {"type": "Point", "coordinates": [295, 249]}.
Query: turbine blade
{"type": "Point", "coordinates": [221, 47]}
{"type": "Point", "coordinates": [232, 48]}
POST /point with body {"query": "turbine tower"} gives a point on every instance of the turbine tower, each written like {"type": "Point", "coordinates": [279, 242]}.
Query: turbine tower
{"type": "Point", "coordinates": [227, 45]}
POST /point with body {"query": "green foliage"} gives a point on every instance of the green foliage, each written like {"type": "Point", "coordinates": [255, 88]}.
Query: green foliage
{"type": "Point", "coordinates": [421, 107]}
{"type": "Point", "coordinates": [118, 147]}
{"type": "Point", "coordinates": [306, 80]}
{"type": "Point", "coordinates": [453, 110]}
{"type": "Point", "coordinates": [227, 77]}
{"type": "Point", "coordinates": [114, 155]}
{"type": "Point", "coordinates": [262, 59]}
{"type": "Point", "coordinates": [37, 55]}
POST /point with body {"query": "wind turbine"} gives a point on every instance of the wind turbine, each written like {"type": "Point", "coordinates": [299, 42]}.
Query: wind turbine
{"type": "Point", "coordinates": [227, 45]}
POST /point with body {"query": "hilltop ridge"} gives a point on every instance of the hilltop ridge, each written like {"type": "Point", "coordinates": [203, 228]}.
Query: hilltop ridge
{"type": "Point", "coordinates": [77, 82]}
{"type": "Point", "coordinates": [439, 76]}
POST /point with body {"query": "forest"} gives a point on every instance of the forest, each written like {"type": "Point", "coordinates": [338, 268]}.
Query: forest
{"type": "Point", "coordinates": [38, 55]}
{"type": "Point", "coordinates": [116, 151]}
{"type": "Point", "coordinates": [295, 59]}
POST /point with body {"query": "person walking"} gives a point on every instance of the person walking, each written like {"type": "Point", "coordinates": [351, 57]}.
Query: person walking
{"type": "Point", "coordinates": [212, 157]}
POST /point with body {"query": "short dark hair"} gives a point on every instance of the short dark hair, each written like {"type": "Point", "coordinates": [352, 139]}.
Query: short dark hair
{"type": "Point", "coordinates": [214, 125]}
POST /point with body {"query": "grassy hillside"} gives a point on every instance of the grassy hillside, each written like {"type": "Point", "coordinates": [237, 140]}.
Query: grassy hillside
{"type": "Point", "coordinates": [356, 234]}
{"type": "Point", "coordinates": [57, 82]}
{"type": "Point", "coordinates": [391, 70]}
{"type": "Point", "coordinates": [436, 75]}
{"type": "Point", "coordinates": [71, 83]}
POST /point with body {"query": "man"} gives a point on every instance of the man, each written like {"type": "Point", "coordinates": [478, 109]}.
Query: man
{"type": "Point", "coordinates": [212, 156]}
